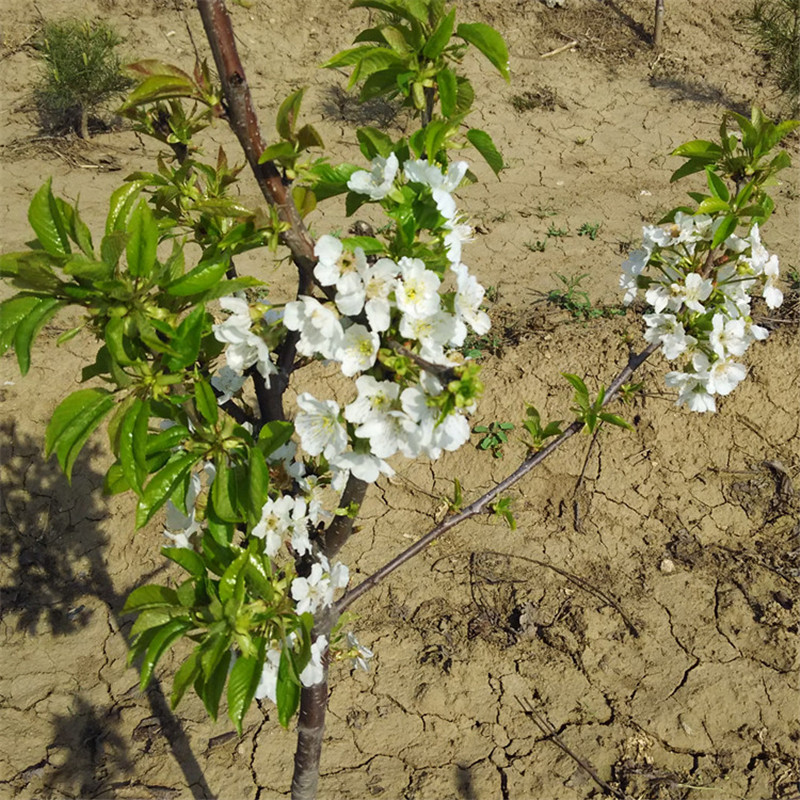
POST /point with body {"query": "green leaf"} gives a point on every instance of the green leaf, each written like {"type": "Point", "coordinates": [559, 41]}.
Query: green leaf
{"type": "Point", "coordinates": [165, 637]}
{"type": "Point", "coordinates": [581, 392]}
{"type": "Point", "coordinates": [717, 186]}
{"type": "Point", "coordinates": [223, 492]}
{"type": "Point", "coordinates": [489, 42]}
{"type": "Point", "coordinates": [112, 247]}
{"type": "Point", "coordinates": [329, 181]}
{"type": "Point", "coordinates": [402, 8]}
{"type": "Point", "coordinates": [726, 228]}
{"type": "Point", "coordinates": [274, 435]}
{"type": "Point", "coordinates": [131, 443]}
{"type": "Point", "coordinates": [394, 38]}
{"type": "Point", "coordinates": [142, 242]}
{"type": "Point", "coordinates": [233, 574]}
{"type": "Point", "coordinates": [374, 142]}
{"type": "Point", "coordinates": [48, 223]}
{"type": "Point", "coordinates": [73, 421]}
{"type": "Point", "coordinates": [210, 691]}
{"type": "Point", "coordinates": [257, 483]}
{"type": "Point", "coordinates": [242, 685]}
{"type": "Point", "coordinates": [689, 168]}
{"type": "Point", "coordinates": [173, 436]}
{"type": "Point", "coordinates": [448, 88]}
{"type": "Point", "coordinates": [378, 58]}
{"type": "Point", "coordinates": [88, 269]}
{"type": "Point", "coordinates": [287, 693]}
{"type": "Point", "coordinates": [162, 484]}
{"type": "Point", "coordinates": [346, 58]}
{"type": "Point", "coordinates": [465, 95]}
{"type": "Point", "coordinates": [160, 87]}
{"type": "Point", "coordinates": [121, 203]}
{"type": "Point", "coordinates": [614, 419]}
{"type": "Point", "coordinates": [277, 151]}
{"type": "Point", "coordinates": [187, 559]}
{"type": "Point", "coordinates": [12, 313]}
{"type": "Point", "coordinates": [711, 205]}
{"type": "Point", "coordinates": [368, 244]}
{"type": "Point", "coordinates": [205, 275]}
{"type": "Point", "coordinates": [308, 136]}
{"type": "Point", "coordinates": [206, 401]}
{"type": "Point", "coordinates": [150, 618]}
{"type": "Point", "coordinates": [441, 36]}
{"type": "Point", "coordinates": [304, 200]}
{"type": "Point", "coordinates": [483, 143]}
{"type": "Point", "coordinates": [699, 148]}
{"type": "Point", "coordinates": [287, 114]}
{"type": "Point", "coordinates": [150, 596]}
{"type": "Point", "coordinates": [184, 677]}
{"type": "Point", "coordinates": [186, 341]}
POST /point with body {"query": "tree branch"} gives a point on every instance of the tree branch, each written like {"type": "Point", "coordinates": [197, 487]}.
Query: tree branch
{"type": "Point", "coordinates": [243, 120]}
{"type": "Point", "coordinates": [483, 502]}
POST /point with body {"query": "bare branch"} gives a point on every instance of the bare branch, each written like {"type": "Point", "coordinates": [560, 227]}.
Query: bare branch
{"type": "Point", "coordinates": [483, 502]}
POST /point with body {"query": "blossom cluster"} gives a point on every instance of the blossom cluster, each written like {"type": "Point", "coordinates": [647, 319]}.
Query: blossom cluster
{"type": "Point", "coordinates": [377, 301]}
{"type": "Point", "coordinates": [376, 308]}
{"type": "Point", "coordinates": [701, 301]}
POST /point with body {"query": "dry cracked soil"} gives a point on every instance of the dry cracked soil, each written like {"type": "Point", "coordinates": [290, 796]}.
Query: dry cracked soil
{"type": "Point", "coordinates": [644, 613]}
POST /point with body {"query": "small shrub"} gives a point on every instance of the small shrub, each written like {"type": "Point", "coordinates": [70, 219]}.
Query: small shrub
{"type": "Point", "coordinates": [775, 25]}
{"type": "Point", "coordinates": [82, 71]}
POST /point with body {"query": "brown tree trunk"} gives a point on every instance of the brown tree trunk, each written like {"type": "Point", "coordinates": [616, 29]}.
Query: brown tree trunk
{"type": "Point", "coordinates": [659, 23]}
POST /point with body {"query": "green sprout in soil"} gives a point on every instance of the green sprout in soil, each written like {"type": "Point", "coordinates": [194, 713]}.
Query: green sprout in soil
{"type": "Point", "coordinates": [573, 298]}
{"type": "Point", "coordinates": [557, 233]}
{"type": "Point", "coordinates": [538, 246]}
{"type": "Point", "coordinates": [494, 436]}
{"type": "Point", "coordinates": [589, 229]}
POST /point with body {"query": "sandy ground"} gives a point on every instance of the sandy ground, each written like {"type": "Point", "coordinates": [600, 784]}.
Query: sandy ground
{"type": "Point", "coordinates": [646, 606]}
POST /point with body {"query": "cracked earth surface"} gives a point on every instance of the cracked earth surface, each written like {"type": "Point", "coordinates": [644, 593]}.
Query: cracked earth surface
{"type": "Point", "coordinates": [646, 607]}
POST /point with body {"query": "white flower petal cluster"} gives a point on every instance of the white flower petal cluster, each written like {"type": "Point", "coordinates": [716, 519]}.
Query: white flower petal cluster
{"type": "Point", "coordinates": [284, 518]}
{"type": "Point", "coordinates": [316, 591]}
{"type": "Point", "coordinates": [244, 347]}
{"type": "Point", "coordinates": [701, 310]}
{"type": "Point", "coordinates": [379, 181]}
{"type": "Point", "coordinates": [404, 300]}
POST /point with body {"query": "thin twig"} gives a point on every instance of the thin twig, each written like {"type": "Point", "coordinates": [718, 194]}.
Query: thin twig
{"type": "Point", "coordinates": [483, 502]}
{"type": "Point", "coordinates": [550, 732]}
{"type": "Point", "coordinates": [562, 49]}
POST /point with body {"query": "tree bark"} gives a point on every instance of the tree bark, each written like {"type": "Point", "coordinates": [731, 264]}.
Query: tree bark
{"type": "Point", "coordinates": [659, 23]}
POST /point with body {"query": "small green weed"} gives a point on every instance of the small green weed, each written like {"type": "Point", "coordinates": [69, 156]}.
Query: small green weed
{"type": "Point", "coordinates": [573, 298]}
{"type": "Point", "coordinates": [543, 212]}
{"type": "Point", "coordinates": [477, 346]}
{"type": "Point", "coordinates": [538, 246]}
{"type": "Point", "coordinates": [589, 229]}
{"type": "Point", "coordinates": [556, 233]}
{"type": "Point", "coordinates": [494, 436]}
{"type": "Point", "coordinates": [82, 71]}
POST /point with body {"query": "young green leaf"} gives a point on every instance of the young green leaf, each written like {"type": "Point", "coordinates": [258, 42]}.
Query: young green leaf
{"type": "Point", "coordinates": [26, 329]}
{"type": "Point", "coordinates": [166, 636]}
{"type": "Point", "coordinates": [287, 692]}
{"type": "Point", "coordinates": [186, 558]}
{"type": "Point", "coordinates": [150, 596]}
{"type": "Point", "coordinates": [162, 484]}
{"type": "Point", "coordinates": [47, 222]}
{"type": "Point", "coordinates": [73, 421]}
{"type": "Point", "coordinates": [142, 242]}
{"type": "Point", "coordinates": [184, 677]}
{"type": "Point", "coordinates": [489, 42]}
{"type": "Point", "coordinates": [242, 685]}
{"type": "Point", "coordinates": [483, 143]}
